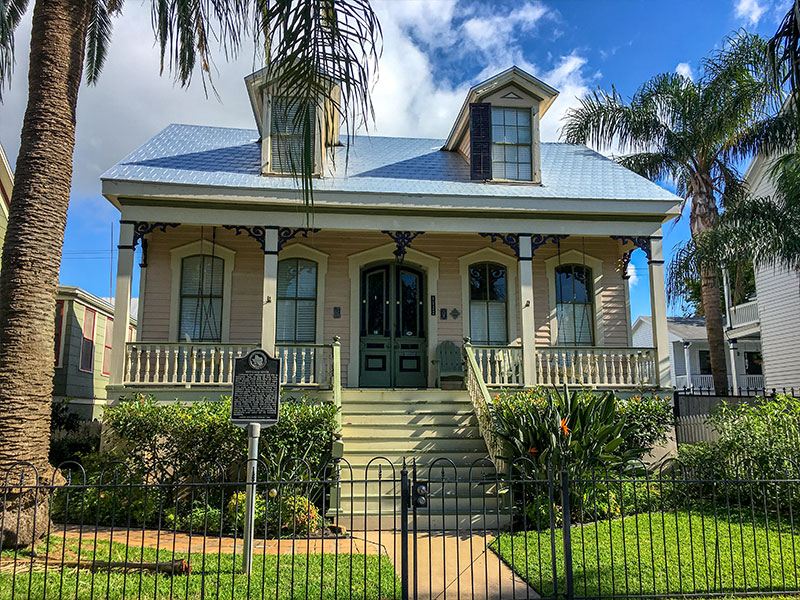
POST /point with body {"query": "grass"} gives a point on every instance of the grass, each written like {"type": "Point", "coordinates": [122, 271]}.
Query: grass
{"type": "Point", "coordinates": [655, 553]}
{"type": "Point", "coordinates": [216, 576]}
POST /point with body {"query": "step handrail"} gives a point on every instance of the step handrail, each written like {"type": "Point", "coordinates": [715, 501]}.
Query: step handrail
{"type": "Point", "coordinates": [483, 406]}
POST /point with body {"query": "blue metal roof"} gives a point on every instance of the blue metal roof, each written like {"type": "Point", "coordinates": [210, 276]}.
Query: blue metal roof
{"type": "Point", "coordinates": [222, 157]}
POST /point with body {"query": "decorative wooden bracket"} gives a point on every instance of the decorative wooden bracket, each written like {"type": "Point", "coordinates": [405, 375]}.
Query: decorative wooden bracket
{"type": "Point", "coordinates": [402, 240]}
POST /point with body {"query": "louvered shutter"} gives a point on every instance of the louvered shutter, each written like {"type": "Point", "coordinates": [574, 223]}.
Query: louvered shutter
{"type": "Point", "coordinates": [480, 140]}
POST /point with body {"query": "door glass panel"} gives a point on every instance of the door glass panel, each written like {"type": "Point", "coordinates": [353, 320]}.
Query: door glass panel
{"type": "Point", "coordinates": [409, 304]}
{"type": "Point", "coordinates": [376, 303]}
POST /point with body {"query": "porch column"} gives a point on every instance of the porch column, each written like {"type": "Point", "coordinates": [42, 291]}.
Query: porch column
{"type": "Point", "coordinates": [658, 306]}
{"type": "Point", "coordinates": [122, 302]}
{"type": "Point", "coordinates": [269, 308]}
{"type": "Point", "coordinates": [687, 358]}
{"type": "Point", "coordinates": [526, 311]}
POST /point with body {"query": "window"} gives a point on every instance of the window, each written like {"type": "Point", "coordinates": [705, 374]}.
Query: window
{"type": "Point", "coordinates": [297, 301]}
{"type": "Point", "coordinates": [59, 328]}
{"type": "Point", "coordinates": [87, 343]}
{"type": "Point", "coordinates": [704, 358]}
{"type": "Point", "coordinates": [202, 278]}
{"type": "Point", "coordinates": [511, 143]}
{"type": "Point", "coordinates": [487, 306]}
{"type": "Point", "coordinates": [286, 137]}
{"type": "Point", "coordinates": [574, 305]}
{"type": "Point", "coordinates": [753, 363]}
{"type": "Point", "coordinates": [107, 346]}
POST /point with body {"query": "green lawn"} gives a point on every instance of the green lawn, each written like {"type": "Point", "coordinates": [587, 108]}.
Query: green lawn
{"type": "Point", "coordinates": [313, 576]}
{"type": "Point", "coordinates": [653, 553]}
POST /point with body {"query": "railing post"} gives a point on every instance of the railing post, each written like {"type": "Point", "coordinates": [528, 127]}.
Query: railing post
{"type": "Point", "coordinates": [567, 536]}
{"type": "Point", "coordinates": [405, 494]}
{"type": "Point", "coordinates": [336, 379]}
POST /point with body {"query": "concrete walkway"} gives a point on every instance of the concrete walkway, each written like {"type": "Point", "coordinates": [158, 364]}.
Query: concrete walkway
{"type": "Point", "coordinates": [454, 567]}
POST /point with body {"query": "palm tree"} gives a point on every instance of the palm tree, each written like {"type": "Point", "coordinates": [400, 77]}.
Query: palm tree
{"type": "Point", "coordinates": [693, 133]}
{"type": "Point", "coordinates": [783, 49]}
{"type": "Point", "coordinates": [305, 43]}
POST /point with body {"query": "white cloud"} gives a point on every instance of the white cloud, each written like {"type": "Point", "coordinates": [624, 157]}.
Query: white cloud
{"type": "Point", "coordinates": [749, 10]}
{"type": "Point", "coordinates": [685, 70]}
{"type": "Point", "coordinates": [633, 276]}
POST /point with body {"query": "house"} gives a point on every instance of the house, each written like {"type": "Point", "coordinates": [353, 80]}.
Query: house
{"type": "Point", "coordinates": [690, 359]}
{"type": "Point", "coordinates": [777, 301]}
{"type": "Point", "coordinates": [519, 245]}
{"type": "Point", "coordinates": [83, 349]}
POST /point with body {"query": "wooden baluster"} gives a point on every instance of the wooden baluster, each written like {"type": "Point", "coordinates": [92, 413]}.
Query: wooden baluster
{"type": "Point", "coordinates": [185, 367]}
{"type": "Point", "coordinates": [131, 372]}
{"type": "Point", "coordinates": [637, 363]}
{"type": "Point", "coordinates": [203, 365]}
{"type": "Point", "coordinates": [301, 377]}
{"type": "Point", "coordinates": [603, 376]}
{"type": "Point", "coordinates": [193, 374]}
{"type": "Point", "coordinates": [148, 356]}
{"type": "Point", "coordinates": [157, 366]}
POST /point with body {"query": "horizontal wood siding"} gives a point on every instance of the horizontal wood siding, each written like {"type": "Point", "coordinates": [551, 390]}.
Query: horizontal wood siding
{"type": "Point", "coordinates": [778, 294]}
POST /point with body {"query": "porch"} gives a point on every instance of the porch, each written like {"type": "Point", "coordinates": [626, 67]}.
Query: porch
{"type": "Point", "coordinates": [371, 309]}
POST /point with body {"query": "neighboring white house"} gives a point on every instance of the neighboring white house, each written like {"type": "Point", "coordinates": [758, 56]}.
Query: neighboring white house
{"type": "Point", "coordinates": [689, 356]}
{"type": "Point", "coordinates": [778, 297]}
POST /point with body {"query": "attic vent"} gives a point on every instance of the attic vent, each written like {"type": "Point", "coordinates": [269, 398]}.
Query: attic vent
{"type": "Point", "coordinates": [513, 96]}
{"type": "Point", "coordinates": [286, 139]}
{"type": "Point", "coordinates": [480, 140]}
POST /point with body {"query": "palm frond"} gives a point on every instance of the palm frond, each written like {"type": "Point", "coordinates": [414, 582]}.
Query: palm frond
{"type": "Point", "coordinates": [98, 36]}
{"type": "Point", "coordinates": [783, 49]}
{"type": "Point", "coordinates": [11, 12]}
{"type": "Point", "coordinates": [655, 166]}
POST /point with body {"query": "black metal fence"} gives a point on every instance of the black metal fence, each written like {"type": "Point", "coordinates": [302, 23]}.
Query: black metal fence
{"type": "Point", "coordinates": [380, 530]}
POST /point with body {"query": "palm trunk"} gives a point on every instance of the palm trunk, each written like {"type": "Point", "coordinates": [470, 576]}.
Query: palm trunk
{"type": "Point", "coordinates": [37, 217]}
{"type": "Point", "coordinates": [704, 216]}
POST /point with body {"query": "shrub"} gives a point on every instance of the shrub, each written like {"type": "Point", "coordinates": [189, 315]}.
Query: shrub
{"type": "Point", "coordinates": [195, 437]}
{"type": "Point", "coordinates": [201, 517]}
{"type": "Point", "coordinates": [294, 514]}
{"type": "Point", "coordinates": [650, 418]}
{"type": "Point", "coordinates": [70, 436]}
{"type": "Point", "coordinates": [237, 506]}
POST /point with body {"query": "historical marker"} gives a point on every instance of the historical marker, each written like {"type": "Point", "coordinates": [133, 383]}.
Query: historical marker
{"type": "Point", "coordinates": [256, 389]}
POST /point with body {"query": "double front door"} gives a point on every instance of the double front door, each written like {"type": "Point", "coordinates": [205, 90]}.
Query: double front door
{"type": "Point", "coordinates": [392, 344]}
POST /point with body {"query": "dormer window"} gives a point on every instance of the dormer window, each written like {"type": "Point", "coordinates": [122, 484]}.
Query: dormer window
{"type": "Point", "coordinates": [511, 143]}
{"type": "Point", "coordinates": [286, 136]}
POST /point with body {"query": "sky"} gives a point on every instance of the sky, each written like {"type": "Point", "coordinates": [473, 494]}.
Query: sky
{"type": "Point", "coordinates": [433, 51]}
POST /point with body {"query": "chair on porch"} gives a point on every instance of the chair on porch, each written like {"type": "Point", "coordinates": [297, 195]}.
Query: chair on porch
{"type": "Point", "coordinates": [449, 361]}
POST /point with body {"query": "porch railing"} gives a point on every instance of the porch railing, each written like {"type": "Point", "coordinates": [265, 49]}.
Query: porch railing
{"type": "Point", "coordinates": [744, 314]}
{"type": "Point", "coordinates": [706, 382]}
{"type": "Point", "coordinates": [482, 404]}
{"type": "Point", "coordinates": [595, 366]}
{"type": "Point", "coordinates": [199, 364]}
{"type": "Point", "coordinates": [500, 366]}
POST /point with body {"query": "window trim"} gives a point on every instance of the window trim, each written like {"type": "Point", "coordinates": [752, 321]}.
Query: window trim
{"type": "Point", "coordinates": [176, 264]}
{"type": "Point", "coordinates": [59, 357]}
{"type": "Point", "coordinates": [90, 339]}
{"type": "Point", "coordinates": [266, 143]}
{"type": "Point", "coordinates": [299, 250]}
{"type": "Point", "coordinates": [596, 265]}
{"type": "Point", "coordinates": [512, 266]}
{"type": "Point", "coordinates": [107, 343]}
{"type": "Point", "coordinates": [489, 302]}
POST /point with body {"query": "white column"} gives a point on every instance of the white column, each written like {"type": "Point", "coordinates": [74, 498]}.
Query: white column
{"type": "Point", "coordinates": [687, 359]}
{"type": "Point", "coordinates": [658, 306]}
{"type": "Point", "coordinates": [527, 323]}
{"type": "Point", "coordinates": [122, 303]}
{"type": "Point", "coordinates": [269, 309]}
{"type": "Point", "coordinates": [734, 376]}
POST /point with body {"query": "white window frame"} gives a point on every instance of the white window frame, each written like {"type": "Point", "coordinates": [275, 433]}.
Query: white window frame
{"type": "Point", "coordinates": [266, 141]}
{"type": "Point", "coordinates": [107, 343]}
{"type": "Point", "coordinates": [176, 264]}
{"type": "Point", "coordinates": [512, 288]}
{"type": "Point", "coordinates": [302, 251]}
{"type": "Point", "coordinates": [596, 265]}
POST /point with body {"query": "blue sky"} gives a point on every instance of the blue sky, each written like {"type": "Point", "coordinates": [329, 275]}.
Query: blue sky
{"type": "Point", "coordinates": [433, 52]}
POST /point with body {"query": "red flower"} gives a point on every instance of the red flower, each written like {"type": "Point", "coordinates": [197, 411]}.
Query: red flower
{"type": "Point", "coordinates": [564, 428]}
{"type": "Point", "coordinates": [533, 451]}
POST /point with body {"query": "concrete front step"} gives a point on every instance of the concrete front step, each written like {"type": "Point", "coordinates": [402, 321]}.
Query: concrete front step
{"type": "Point", "coordinates": [410, 417]}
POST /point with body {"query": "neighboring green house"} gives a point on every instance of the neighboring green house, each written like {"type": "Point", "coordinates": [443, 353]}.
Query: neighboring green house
{"type": "Point", "coordinates": [83, 349]}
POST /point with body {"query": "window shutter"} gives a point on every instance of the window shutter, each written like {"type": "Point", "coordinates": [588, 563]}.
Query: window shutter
{"type": "Point", "coordinates": [480, 140]}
